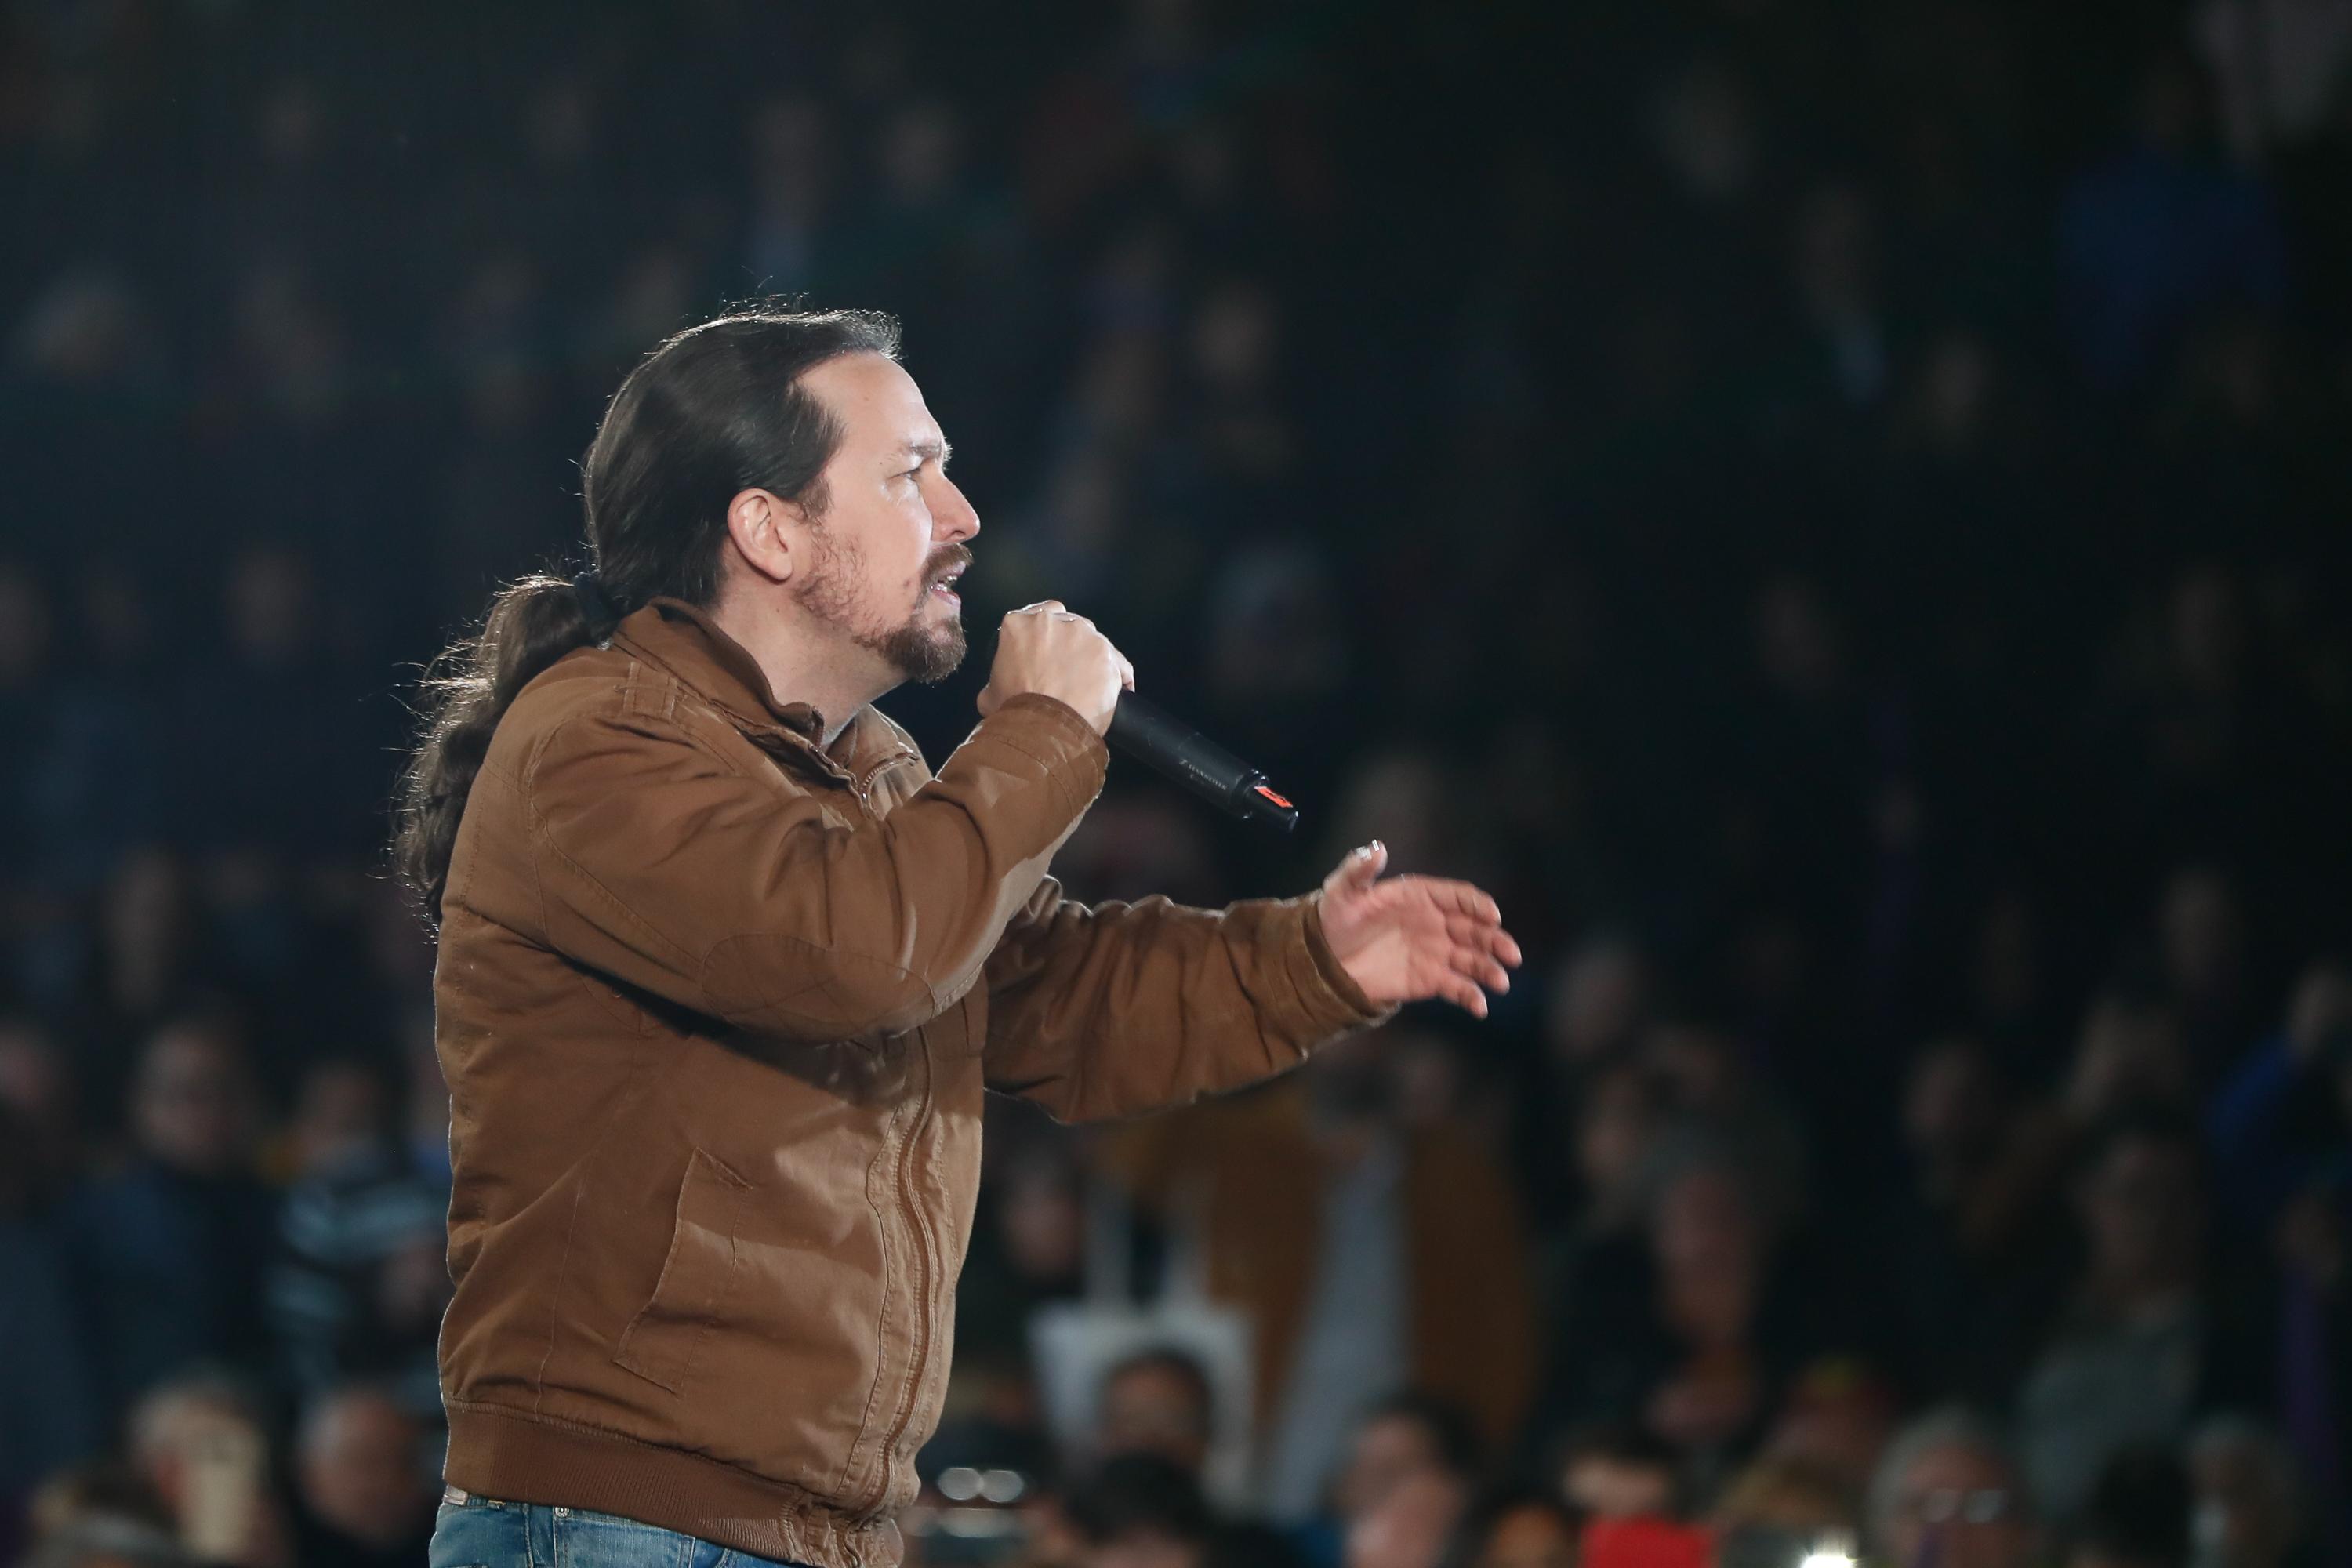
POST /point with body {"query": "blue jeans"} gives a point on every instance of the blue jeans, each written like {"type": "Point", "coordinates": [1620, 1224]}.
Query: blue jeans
{"type": "Point", "coordinates": [483, 1532]}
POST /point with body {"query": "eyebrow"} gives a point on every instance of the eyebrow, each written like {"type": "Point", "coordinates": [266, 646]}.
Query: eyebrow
{"type": "Point", "coordinates": [940, 450]}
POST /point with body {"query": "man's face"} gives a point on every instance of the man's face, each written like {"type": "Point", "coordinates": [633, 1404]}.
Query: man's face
{"type": "Point", "coordinates": [1969, 1502]}
{"type": "Point", "coordinates": [1406, 1528]}
{"type": "Point", "coordinates": [890, 537]}
{"type": "Point", "coordinates": [360, 1472]}
{"type": "Point", "coordinates": [1609, 1487]}
{"type": "Point", "coordinates": [1155, 1409]}
{"type": "Point", "coordinates": [190, 1106]}
{"type": "Point", "coordinates": [1386, 1453]}
{"type": "Point", "coordinates": [2141, 1209]}
{"type": "Point", "coordinates": [1529, 1537]}
{"type": "Point", "coordinates": [1703, 1221]}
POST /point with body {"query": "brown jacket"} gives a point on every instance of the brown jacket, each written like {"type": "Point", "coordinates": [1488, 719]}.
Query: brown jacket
{"type": "Point", "coordinates": [1248, 1175]}
{"type": "Point", "coordinates": [717, 1006]}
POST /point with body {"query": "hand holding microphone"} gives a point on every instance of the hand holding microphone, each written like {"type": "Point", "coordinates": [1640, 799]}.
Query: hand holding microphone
{"type": "Point", "coordinates": [1045, 648]}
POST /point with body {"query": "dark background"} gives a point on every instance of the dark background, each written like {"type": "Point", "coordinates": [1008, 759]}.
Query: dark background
{"type": "Point", "coordinates": [1834, 512]}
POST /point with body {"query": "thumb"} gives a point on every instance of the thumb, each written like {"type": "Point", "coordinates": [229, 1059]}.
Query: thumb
{"type": "Point", "coordinates": [1360, 869]}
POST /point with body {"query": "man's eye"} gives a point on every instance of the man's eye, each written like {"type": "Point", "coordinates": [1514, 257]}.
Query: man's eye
{"type": "Point", "coordinates": [910, 473]}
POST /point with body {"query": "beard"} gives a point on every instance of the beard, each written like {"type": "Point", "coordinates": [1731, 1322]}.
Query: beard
{"type": "Point", "coordinates": [918, 650]}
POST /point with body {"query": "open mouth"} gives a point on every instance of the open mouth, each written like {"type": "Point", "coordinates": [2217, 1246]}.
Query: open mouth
{"type": "Point", "coordinates": [945, 587]}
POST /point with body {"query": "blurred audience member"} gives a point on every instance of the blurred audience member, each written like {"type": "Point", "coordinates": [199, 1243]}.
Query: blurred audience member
{"type": "Point", "coordinates": [1622, 1117]}
{"type": "Point", "coordinates": [1142, 1511]}
{"type": "Point", "coordinates": [167, 1253]}
{"type": "Point", "coordinates": [341, 1113]}
{"type": "Point", "coordinates": [1410, 1525]}
{"type": "Point", "coordinates": [2281, 1115]}
{"type": "Point", "coordinates": [1620, 1472]}
{"type": "Point", "coordinates": [2201, 940]}
{"type": "Point", "coordinates": [1716, 1090]}
{"type": "Point", "coordinates": [201, 1444]}
{"type": "Point", "coordinates": [1399, 1437]}
{"type": "Point", "coordinates": [38, 1092]}
{"type": "Point", "coordinates": [2161, 230]}
{"type": "Point", "coordinates": [105, 1487]}
{"type": "Point", "coordinates": [2251, 1505]}
{"type": "Point", "coordinates": [1778, 1510]}
{"type": "Point", "coordinates": [1836, 1421]}
{"type": "Point", "coordinates": [1028, 1246]}
{"type": "Point", "coordinates": [360, 1476]}
{"type": "Point", "coordinates": [1695, 1337]}
{"type": "Point", "coordinates": [108, 1541]}
{"type": "Point", "coordinates": [152, 952]}
{"type": "Point", "coordinates": [1514, 1527]}
{"type": "Point", "coordinates": [1372, 1253]}
{"type": "Point", "coordinates": [1158, 1401]}
{"type": "Point", "coordinates": [1600, 997]}
{"type": "Point", "coordinates": [1960, 1235]}
{"type": "Point", "coordinates": [360, 1281]}
{"type": "Point", "coordinates": [2147, 1337]}
{"type": "Point", "coordinates": [1949, 1493]}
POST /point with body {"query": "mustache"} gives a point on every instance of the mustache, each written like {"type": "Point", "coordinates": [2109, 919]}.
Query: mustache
{"type": "Point", "coordinates": [951, 559]}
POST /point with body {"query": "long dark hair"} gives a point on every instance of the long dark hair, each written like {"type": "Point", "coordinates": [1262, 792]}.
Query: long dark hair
{"type": "Point", "coordinates": [714, 411]}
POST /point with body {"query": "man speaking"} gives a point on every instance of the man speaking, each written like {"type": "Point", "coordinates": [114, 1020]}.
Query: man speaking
{"type": "Point", "coordinates": [724, 969]}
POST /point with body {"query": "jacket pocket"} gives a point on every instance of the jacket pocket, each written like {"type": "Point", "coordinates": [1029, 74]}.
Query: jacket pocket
{"type": "Point", "coordinates": [705, 1262]}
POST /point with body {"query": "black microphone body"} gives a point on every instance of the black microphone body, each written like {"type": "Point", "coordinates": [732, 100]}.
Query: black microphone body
{"type": "Point", "coordinates": [1182, 752]}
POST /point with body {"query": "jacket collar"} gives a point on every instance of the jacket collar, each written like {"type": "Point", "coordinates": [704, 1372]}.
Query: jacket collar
{"type": "Point", "coordinates": [684, 640]}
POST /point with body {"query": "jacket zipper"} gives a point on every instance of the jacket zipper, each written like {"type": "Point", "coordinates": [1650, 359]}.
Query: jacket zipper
{"type": "Point", "coordinates": [863, 787]}
{"type": "Point", "coordinates": [918, 1233]}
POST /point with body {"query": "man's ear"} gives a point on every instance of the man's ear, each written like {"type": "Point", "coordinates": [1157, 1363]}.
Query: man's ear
{"type": "Point", "coordinates": [762, 526]}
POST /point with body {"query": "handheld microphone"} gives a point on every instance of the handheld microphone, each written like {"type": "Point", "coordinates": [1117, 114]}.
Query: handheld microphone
{"type": "Point", "coordinates": [1182, 752]}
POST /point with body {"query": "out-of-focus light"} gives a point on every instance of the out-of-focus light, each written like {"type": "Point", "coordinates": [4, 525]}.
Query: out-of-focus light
{"type": "Point", "coordinates": [1827, 1557]}
{"type": "Point", "coordinates": [958, 1483]}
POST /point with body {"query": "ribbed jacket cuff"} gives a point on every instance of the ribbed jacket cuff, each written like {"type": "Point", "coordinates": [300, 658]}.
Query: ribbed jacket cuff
{"type": "Point", "coordinates": [1329, 1001]}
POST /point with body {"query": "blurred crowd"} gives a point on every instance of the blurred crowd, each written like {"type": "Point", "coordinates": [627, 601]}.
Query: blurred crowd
{"type": "Point", "coordinates": [1835, 512]}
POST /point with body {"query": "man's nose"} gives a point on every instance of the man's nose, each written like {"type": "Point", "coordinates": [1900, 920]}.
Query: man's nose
{"type": "Point", "coordinates": [952, 517]}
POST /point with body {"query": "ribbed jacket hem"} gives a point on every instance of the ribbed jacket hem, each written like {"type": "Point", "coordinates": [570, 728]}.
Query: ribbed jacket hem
{"type": "Point", "coordinates": [516, 1457]}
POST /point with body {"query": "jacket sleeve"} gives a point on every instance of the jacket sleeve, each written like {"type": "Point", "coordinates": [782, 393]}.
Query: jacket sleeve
{"type": "Point", "coordinates": [662, 864]}
{"type": "Point", "coordinates": [1126, 1008]}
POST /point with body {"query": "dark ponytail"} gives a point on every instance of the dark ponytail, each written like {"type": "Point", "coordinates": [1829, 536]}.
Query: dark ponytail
{"type": "Point", "coordinates": [714, 411]}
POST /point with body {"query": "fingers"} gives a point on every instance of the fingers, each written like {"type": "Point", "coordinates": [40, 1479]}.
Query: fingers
{"type": "Point", "coordinates": [1455, 901]}
{"type": "Point", "coordinates": [1480, 967]}
{"type": "Point", "coordinates": [1452, 899]}
{"type": "Point", "coordinates": [1469, 932]}
{"type": "Point", "coordinates": [1468, 900]}
{"type": "Point", "coordinates": [1453, 988]}
{"type": "Point", "coordinates": [1126, 672]}
{"type": "Point", "coordinates": [1468, 976]}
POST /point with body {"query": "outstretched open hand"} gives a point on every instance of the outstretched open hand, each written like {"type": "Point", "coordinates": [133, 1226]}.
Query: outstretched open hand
{"type": "Point", "coordinates": [1412, 938]}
